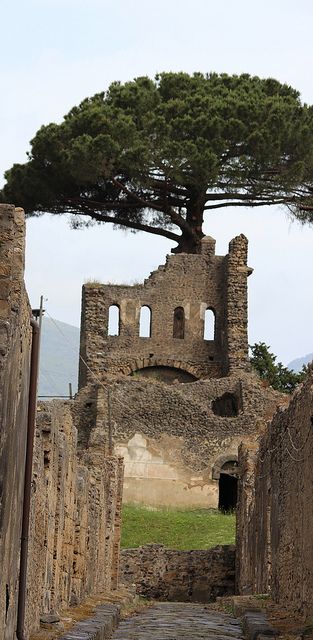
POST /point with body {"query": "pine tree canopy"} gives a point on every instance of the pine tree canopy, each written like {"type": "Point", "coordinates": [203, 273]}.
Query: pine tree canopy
{"type": "Point", "coordinates": [158, 155]}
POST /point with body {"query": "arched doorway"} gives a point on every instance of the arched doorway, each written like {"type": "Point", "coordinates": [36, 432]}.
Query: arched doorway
{"type": "Point", "coordinates": [227, 492]}
{"type": "Point", "coordinates": [226, 472]}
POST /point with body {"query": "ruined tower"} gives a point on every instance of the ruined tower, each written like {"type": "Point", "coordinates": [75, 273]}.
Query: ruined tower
{"type": "Point", "coordinates": [196, 319]}
{"type": "Point", "coordinates": [166, 366]}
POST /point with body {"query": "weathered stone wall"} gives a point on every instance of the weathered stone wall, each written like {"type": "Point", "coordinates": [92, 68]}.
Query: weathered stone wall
{"type": "Point", "coordinates": [275, 508]}
{"type": "Point", "coordinates": [192, 282]}
{"type": "Point", "coordinates": [236, 320]}
{"type": "Point", "coordinates": [76, 502]}
{"type": "Point", "coordinates": [15, 342]}
{"type": "Point", "coordinates": [178, 407]}
{"type": "Point", "coordinates": [171, 439]}
{"type": "Point", "coordinates": [75, 522]}
{"type": "Point", "coordinates": [167, 574]}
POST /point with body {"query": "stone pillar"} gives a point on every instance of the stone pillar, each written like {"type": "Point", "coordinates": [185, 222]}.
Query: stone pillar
{"type": "Point", "coordinates": [237, 273]}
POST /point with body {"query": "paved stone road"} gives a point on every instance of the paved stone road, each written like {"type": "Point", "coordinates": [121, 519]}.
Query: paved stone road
{"type": "Point", "coordinates": [175, 621]}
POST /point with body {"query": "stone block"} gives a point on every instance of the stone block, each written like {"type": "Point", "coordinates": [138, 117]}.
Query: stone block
{"type": "Point", "coordinates": [5, 288]}
{"type": "Point", "coordinates": [255, 624]}
{"type": "Point", "coordinates": [5, 309]}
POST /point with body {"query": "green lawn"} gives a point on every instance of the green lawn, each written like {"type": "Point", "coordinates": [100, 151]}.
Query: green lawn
{"type": "Point", "coordinates": [199, 529]}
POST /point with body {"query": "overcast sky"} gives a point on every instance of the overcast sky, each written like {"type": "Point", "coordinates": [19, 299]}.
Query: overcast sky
{"type": "Point", "coordinates": [53, 53]}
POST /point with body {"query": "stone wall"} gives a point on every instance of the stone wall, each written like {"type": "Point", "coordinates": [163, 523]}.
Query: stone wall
{"type": "Point", "coordinates": [192, 283]}
{"type": "Point", "coordinates": [173, 442]}
{"type": "Point", "coordinates": [75, 521]}
{"type": "Point", "coordinates": [15, 342]}
{"type": "Point", "coordinates": [76, 500]}
{"type": "Point", "coordinates": [175, 404]}
{"type": "Point", "coordinates": [167, 574]}
{"type": "Point", "coordinates": [275, 517]}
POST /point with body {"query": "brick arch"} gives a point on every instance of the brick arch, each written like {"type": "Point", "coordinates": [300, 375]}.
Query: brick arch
{"type": "Point", "coordinates": [144, 363]}
{"type": "Point", "coordinates": [221, 460]}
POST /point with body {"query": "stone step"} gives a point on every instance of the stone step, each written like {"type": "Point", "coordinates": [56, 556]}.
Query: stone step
{"type": "Point", "coordinates": [99, 627]}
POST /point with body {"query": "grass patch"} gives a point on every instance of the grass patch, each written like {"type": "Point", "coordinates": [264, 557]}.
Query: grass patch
{"type": "Point", "coordinates": [176, 529]}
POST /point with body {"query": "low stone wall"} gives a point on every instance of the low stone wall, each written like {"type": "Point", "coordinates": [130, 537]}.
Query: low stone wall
{"type": "Point", "coordinates": [75, 521]}
{"type": "Point", "coordinates": [275, 511]}
{"type": "Point", "coordinates": [186, 576]}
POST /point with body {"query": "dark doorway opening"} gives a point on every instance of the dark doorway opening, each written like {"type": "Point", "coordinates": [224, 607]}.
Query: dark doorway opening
{"type": "Point", "coordinates": [226, 406]}
{"type": "Point", "coordinates": [227, 492]}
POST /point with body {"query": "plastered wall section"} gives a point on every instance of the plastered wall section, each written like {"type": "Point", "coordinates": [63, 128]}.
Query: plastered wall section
{"type": "Point", "coordinates": [275, 508]}
{"type": "Point", "coordinates": [75, 518]}
{"type": "Point", "coordinates": [193, 282]}
{"type": "Point", "coordinates": [15, 343]}
{"type": "Point", "coordinates": [169, 436]}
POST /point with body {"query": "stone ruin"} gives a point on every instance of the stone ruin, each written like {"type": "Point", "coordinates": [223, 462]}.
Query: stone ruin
{"type": "Point", "coordinates": [76, 496]}
{"type": "Point", "coordinates": [275, 509]}
{"type": "Point", "coordinates": [176, 397]}
{"type": "Point", "coordinates": [165, 378]}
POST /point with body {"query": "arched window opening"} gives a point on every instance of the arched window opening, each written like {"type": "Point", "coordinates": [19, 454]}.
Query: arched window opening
{"type": "Point", "coordinates": [145, 322]}
{"type": "Point", "coordinates": [114, 320]}
{"type": "Point", "coordinates": [179, 323]}
{"type": "Point", "coordinates": [209, 325]}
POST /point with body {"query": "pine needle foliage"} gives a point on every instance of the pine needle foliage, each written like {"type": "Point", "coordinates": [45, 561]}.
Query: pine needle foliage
{"type": "Point", "coordinates": [279, 377]}
{"type": "Point", "coordinates": [158, 155]}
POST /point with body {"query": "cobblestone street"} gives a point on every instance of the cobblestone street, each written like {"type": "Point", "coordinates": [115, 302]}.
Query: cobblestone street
{"type": "Point", "coordinates": [175, 621]}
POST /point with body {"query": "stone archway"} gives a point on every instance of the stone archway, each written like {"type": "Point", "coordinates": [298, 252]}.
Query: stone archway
{"type": "Point", "coordinates": [168, 375]}
{"type": "Point", "coordinates": [152, 362]}
{"type": "Point", "coordinates": [225, 471]}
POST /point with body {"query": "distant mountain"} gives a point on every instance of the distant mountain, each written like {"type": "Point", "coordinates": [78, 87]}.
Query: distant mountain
{"type": "Point", "coordinates": [59, 352]}
{"type": "Point", "coordinates": [298, 363]}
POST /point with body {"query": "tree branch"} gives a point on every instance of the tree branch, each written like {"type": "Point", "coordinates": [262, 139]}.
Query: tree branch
{"type": "Point", "coordinates": [134, 196]}
{"type": "Point", "coordinates": [245, 204]}
{"type": "Point", "coordinates": [233, 196]}
{"type": "Point", "coordinates": [124, 222]}
{"type": "Point", "coordinates": [169, 211]}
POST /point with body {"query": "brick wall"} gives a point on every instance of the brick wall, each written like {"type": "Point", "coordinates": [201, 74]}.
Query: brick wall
{"type": "Point", "coordinates": [275, 508]}
{"type": "Point", "coordinates": [75, 523]}
{"type": "Point", "coordinates": [76, 492]}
